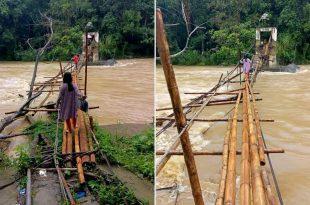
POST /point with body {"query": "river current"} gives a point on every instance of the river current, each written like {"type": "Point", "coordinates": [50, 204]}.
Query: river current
{"type": "Point", "coordinates": [286, 99]}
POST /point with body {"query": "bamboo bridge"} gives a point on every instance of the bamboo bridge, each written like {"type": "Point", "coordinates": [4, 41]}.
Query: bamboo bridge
{"type": "Point", "coordinates": [256, 186]}
{"type": "Point", "coordinates": [77, 149]}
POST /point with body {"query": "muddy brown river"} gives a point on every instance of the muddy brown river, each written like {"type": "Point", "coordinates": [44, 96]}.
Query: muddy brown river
{"type": "Point", "coordinates": [285, 99]}
{"type": "Point", "coordinates": [124, 92]}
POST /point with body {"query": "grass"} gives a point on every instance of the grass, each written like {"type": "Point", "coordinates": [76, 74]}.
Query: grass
{"type": "Point", "coordinates": [113, 193]}
{"type": "Point", "coordinates": [135, 153]}
{"type": "Point", "coordinates": [47, 128]}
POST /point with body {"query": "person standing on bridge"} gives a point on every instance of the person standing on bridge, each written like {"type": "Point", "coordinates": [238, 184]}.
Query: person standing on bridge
{"type": "Point", "coordinates": [76, 59]}
{"type": "Point", "coordinates": [246, 65]}
{"type": "Point", "coordinates": [68, 101]}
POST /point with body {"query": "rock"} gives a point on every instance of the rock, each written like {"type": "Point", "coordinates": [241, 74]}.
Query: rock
{"type": "Point", "coordinates": [291, 68]}
{"type": "Point", "coordinates": [109, 62]}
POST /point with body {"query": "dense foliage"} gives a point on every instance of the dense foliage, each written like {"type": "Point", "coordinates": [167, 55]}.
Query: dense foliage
{"type": "Point", "coordinates": [136, 153]}
{"type": "Point", "coordinates": [229, 29]}
{"type": "Point", "coordinates": [125, 27]}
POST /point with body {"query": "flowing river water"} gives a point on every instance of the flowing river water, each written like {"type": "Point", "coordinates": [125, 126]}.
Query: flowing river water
{"type": "Point", "coordinates": [124, 92]}
{"type": "Point", "coordinates": [285, 99]}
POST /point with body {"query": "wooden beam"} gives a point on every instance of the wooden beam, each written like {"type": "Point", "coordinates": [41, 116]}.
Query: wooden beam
{"type": "Point", "coordinates": [258, 192]}
{"type": "Point", "coordinates": [230, 186]}
{"type": "Point", "coordinates": [221, 193]}
{"type": "Point", "coordinates": [210, 120]}
{"type": "Point", "coordinates": [210, 104]}
{"type": "Point", "coordinates": [163, 50]}
{"type": "Point", "coordinates": [217, 153]}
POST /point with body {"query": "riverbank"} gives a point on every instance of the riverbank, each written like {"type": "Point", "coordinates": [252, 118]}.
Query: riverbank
{"type": "Point", "coordinates": [133, 153]}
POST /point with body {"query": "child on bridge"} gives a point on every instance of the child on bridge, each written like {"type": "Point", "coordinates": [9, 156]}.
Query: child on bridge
{"type": "Point", "coordinates": [76, 59]}
{"type": "Point", "coordinates": [246, 65]}
{"type": "Point", "coordinates": [68, 101]}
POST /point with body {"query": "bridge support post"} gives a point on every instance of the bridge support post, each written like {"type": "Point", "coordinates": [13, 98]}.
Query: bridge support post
{"type": "Point", "coordinates": [163, 49]}
{"type": "Point", "coordinates": [86, 61]}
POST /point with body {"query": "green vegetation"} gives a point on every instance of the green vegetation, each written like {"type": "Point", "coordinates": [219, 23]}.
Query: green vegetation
{"type": "Point", "coordinates": [125, 27]}
{"type": "Point", "coordinates": [229, 29]}
{"type": "Point", "coordinates": [21, 162]}
{"type": "Point", "coordinates": [113, 193]}
{"type": "Point", "coordinates": [107, 190]}
{"type": "Point", "coordinates": [47, 128]}
{"type": "Point", "coordinates": [136, 153]}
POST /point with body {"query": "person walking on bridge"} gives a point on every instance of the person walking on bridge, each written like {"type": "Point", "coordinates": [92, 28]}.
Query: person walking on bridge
{"type": "Point", "coordinates": [76, 59]}
{"type": "Point", "coordinates": [68, 101]}
{"type": "Point", "coordinates": [246, 65]}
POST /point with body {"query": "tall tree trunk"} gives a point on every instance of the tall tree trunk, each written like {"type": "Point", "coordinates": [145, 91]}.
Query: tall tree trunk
{"type": "Point", "coordinates": [187, 15]}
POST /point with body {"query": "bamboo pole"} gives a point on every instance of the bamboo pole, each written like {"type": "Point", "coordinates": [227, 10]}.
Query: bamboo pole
{"type": "Point", "coordinates": [258, 130]}
{"type": "Point", "coordinates": [47, 110]}
{"type": "Point", "coordinates": [14, 135]}
{"type": "Point", "coordinates": [175, 144]}
{"type": "Point", "coordinates": [28, 189]}
{"type": "Point", "coordinates": [78, 159]}
{"type": "Point", "coordinates": [86, 62]}
{"type": "Point", "coordinates": [210, 120]}
{"type": "Point", "coordinates": [219, 84]}
{"type": "Point", "coordinates": [163, 49]}
{"type": "Point", "coordinates": [218, 93]}
{"type": "Point", "coordinates": [230, 186]}
{"type": "Point", "coordinates": [69, 145]}
{"type": "Point", "coordinates": [64, 140]}
{"type": "Point", "coordinates": [46, 91]}
{"type": "Point", "coordinates": [210, 104]}
{"type": "Point", "coordinates": [257, 184]}
{"type": "Point", "coordinates": [267, 151]}
{"type": "Point", "coordinates": [77, 142]}
{"type": "Point", "coordinates": [221, 193]}
{"type": "Point", "coordinates": [83, 139]}
{"type": "Point", "coordinates": [61, 70]}
{"type": "Point", "coordinates": [245, 158]}
{"type": "Point", "coordinates": [268, 189]}
{"type": "Point", "coordinates": [68, 191]}
{"type": "Point", "coordinates": [89, 136]}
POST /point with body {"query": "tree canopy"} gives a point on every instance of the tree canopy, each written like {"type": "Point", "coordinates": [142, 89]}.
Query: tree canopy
{"type": "Point", "coordinates": [229, 29]}
{"type": "Point", "coordinates": [125, 27]}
